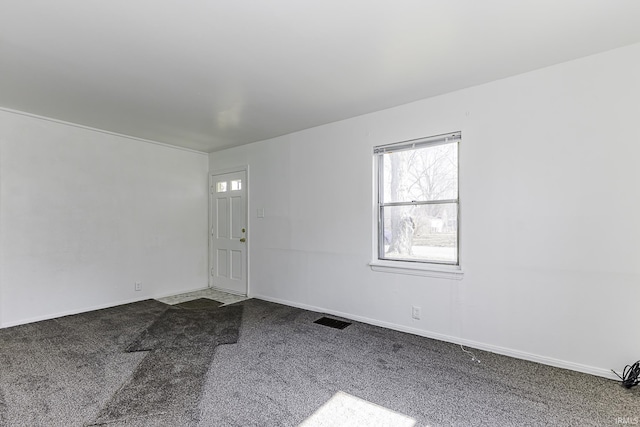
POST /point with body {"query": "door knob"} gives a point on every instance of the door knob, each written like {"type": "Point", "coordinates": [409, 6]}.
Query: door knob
{"type": "Point", "coordinates": [243, 240]}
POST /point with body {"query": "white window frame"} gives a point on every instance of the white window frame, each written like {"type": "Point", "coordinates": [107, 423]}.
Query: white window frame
{"type": "Point", "coordinates": [411, 267]}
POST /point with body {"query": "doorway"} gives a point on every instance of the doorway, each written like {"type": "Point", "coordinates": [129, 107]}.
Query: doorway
{"type": "Point", "coordinates": [228, 232]}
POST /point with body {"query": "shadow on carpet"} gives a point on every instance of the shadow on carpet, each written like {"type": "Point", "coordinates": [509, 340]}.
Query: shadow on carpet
{"type": "Point", "coordinates": [166, 387]}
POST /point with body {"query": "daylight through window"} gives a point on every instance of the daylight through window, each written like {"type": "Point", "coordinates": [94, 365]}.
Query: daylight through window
{"type": "Point", "coordinates": [418, 205]}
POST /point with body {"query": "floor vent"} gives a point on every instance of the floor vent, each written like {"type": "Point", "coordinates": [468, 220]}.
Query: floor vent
{"type": "Point", "coordinates": [332, 323]}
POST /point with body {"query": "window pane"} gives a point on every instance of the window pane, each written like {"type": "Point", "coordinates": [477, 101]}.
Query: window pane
{"type": "Point", "coordinates": [421, 233]}
{"type": "Point", "coordinates": [236, 185]}
{"type": "Point", "coordinates": [424, 174]}
{"type": "Point", "coordinates": [221, 187]}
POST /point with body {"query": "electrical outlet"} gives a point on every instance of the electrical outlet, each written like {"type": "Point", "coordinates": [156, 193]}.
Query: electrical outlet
{"type": "Point", "coordinates": [137, 286]}
{"type": "Point", "coordinates": [415, 312]}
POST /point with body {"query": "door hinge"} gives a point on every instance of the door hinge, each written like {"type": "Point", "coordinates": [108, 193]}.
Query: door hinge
{"type": "Point", "coordinates": [212, 271]}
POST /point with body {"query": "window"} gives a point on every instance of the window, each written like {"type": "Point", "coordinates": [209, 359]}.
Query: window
{"type": "Point", "coordinates": [418, 205]}
{"type": "Point", "coordinates": [222, 187]}
{"type": "Point", "coordinates": [236, 185]}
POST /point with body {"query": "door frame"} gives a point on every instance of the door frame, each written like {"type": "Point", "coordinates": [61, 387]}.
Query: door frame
{"type": "Point", "coordinates": [212, 173]}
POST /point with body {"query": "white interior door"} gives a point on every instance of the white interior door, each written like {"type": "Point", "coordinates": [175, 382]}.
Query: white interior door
{"type": "Point", "coordinates": [229, 232]}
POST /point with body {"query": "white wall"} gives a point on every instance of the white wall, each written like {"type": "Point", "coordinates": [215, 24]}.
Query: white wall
{"type": "Point", "coordinates": [550, 216]}
{"type": "Point", "coordinates": [85, 214]}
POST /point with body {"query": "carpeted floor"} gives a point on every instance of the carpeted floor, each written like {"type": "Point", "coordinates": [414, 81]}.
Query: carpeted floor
{"type": "Point", "coordinates": [256, 363]}
{"type": "Point", "coordinates": [165, 389]}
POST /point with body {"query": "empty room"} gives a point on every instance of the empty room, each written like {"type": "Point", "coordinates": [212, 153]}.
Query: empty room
{"type": "Point", "coordinates": [319, 213]}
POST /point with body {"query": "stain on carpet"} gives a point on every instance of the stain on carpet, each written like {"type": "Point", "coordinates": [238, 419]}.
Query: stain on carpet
{"type": "Point", "coordinates": [181, 327]}
{"type": "Point", "coordinates": [199, 304]}
{"type": "Point", "coordinates": [166, 387]}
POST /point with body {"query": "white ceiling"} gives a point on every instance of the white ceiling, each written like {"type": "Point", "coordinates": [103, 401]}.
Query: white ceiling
{"type": "Point", "coordinates": [209, 74]}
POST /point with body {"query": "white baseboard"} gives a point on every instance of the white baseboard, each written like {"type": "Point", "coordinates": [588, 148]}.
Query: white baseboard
{"type": "Point", "coordinates": [227, 291]}
{"type": "Point", "coordinates": [91, 308]}
{"type": "Point", "coordinates": [452, 339]}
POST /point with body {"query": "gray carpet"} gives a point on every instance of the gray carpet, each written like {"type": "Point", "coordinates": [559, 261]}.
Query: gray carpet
{"type": "Point", "coordinates": [3, 410]}
{"type": "Point", "coordinates": [75, 371]}
{"type": "Point", "coordinates": [166, 387]}
{"type": "Point", "coordinates": [183, 327]}
{"type": "Point", "coordinates": [61, 372]}
{"type": "Point", "coordinates": [292, 366]}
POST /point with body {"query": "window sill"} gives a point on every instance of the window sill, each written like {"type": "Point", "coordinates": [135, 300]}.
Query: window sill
{"type": "Point", "coordinates": [418, 269]}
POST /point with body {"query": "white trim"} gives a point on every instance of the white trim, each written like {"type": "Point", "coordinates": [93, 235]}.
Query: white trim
{"type": "Point", "coordinates": [418, 269]}
{"type": "Point", "coordinates": [558, 363]}
{"type": "Point", "coordinates": [212, 173]}
{"type": "Point", "coordinates": [92, 308]}
{"type": "Point", "coordinates": [107, 132]}
{"type": "Point", "coordinates": [241, 168]}
{"type": "Point", "coordinates": [228, 291]}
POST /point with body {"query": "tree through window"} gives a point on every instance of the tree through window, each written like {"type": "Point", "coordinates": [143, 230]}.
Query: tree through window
{"type": "Point", "coordinates": [418, 205]}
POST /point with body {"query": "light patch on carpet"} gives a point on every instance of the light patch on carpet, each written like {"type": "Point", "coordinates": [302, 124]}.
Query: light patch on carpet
{"type": "Point", "coordinates": [346, 410]}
